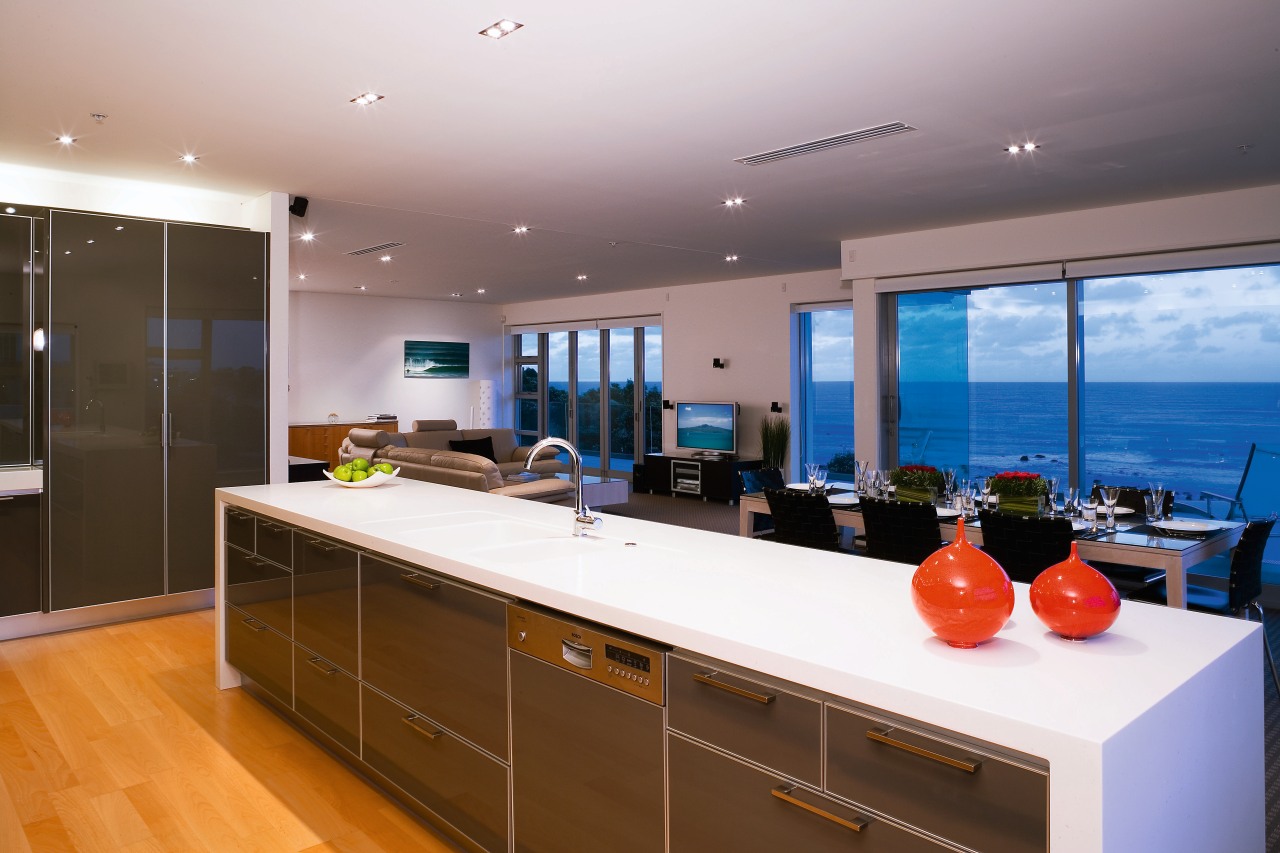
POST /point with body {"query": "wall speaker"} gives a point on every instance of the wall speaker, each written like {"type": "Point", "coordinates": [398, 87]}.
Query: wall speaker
{"type": "Point", "coordinates": [299, 206]}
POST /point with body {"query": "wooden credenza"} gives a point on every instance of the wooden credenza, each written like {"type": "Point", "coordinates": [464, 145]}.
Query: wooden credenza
{"type": "Point", "coordinates": [321, 441]}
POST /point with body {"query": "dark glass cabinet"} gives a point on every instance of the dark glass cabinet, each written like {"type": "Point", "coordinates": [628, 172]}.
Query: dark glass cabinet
{"type": "Point", "coordinates": [156, 363]}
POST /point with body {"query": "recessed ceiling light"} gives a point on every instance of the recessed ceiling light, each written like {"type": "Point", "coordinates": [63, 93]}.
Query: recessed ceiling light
{"type": "Point", "coordinates": [498, 29]}
{"type": "Point", "coordinates": [66, 139]}
{"type": "Point", "coordinates": [582, 278]}
{"type": "Point", "coordinates": [367, 98]}
{"type": "Point", "coordinates": [520, 229]}
{"type": "Point", "coordinates": [479, 290]}
{"type": "Point", "coordinates": [385, 258]}
{"type": "Point", "coordinates": [360, 287]}
{"type": "Point", "coordinates": [189, 158]}
{"type": "Point", "coordinates": [119, 227]}
{"type": "Point", "coordinates": [736, 201]}
{"type": "Point", "coordinates": [88, 241]}
{"type": "Point", "coordinates": [730, 258]}
{"type": "Point", "coordinates": [1019, 149]}
{"type": "Point", "coordinates": [10, 210]}
{"type": "Point", "coordinates": [307, 236]}
{"type": "Point", "coordinates": [302, 277]}
{"type": "Point", "coordinates": [455, 295]}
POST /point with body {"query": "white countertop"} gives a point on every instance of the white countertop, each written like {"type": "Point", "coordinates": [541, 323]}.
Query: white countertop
{"type": "Point", "coordinates": [837, 623]}
{"type": "Point", "coordinates": [22, 479]}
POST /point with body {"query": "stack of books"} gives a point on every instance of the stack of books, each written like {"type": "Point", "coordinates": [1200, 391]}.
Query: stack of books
{"type": "Point", "coordinates": [381, 418]}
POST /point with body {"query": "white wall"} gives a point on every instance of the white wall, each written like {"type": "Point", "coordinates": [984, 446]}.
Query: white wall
{"type": "Point", "coordinates": [747, 322]}
{"type": "Point", "coordinates": [346, 355]}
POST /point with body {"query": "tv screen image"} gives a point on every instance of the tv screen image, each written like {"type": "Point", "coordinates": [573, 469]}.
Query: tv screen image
{"type": "Point", "coordinates": [706, 426]}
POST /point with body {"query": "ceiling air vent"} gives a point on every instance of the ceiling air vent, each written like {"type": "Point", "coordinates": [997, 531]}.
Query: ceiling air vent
{"type": "Point", "coordinates": [372, 249]}
{"type": "Point", "coordinates": [830, 142]}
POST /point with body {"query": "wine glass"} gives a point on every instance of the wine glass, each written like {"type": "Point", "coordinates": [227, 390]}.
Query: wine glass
{"type": "Point", "coordinates": [949, 480]}
{"type": "Point", "coordinates": [819, 480]}
{"type": "Point", "coordinates": [1110, 495]}
{"type": "Point", "coordinates": [1070, 501]}
{"type": "Point", "coordinates": [985, 487]}
{"type": "Point", "coordinates": [811, 473]}
{"type": "Point", "coordinates": [1053, 494]}
{"type": "Point", "coordinates": [1157, 500]}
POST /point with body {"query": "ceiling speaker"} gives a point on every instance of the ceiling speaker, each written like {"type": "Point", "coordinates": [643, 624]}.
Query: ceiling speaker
{"type": "Point", "coordinates": [299, 206]}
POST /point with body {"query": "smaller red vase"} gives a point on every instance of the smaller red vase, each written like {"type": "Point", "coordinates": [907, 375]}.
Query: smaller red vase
{"type": "Point", "coordinates": [1074, 600]}
{"type": "Point", "coordinates": [961, 593]}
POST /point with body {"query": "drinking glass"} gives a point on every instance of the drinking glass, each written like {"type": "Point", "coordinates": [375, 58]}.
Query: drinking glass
{"type": "Point", "coordinates": [984, 486]}
{"type": "Point", "coordinates": [811, 472]}
{"type": "Point", "coordinates": [1052, 503]}
{"type": "Point", "coordinates": [860, 476]}
{"type": "Point", "coordinates": [1071, 501]}
{"type": "Point", "coordinates": [949, 479]}
{"type": "Point", "coordinates": [1090, 511]}
{"type": "Point", "coordinates": [819, 481]}
{"type": "Point", "coordinates": [970, 500]}
{"type": "Point", "coordinates": [1157, 499]}
{"type": "Point", "coordinates": [1110, 495]}
{"type": "Point", "coordinates": [1150, 507]}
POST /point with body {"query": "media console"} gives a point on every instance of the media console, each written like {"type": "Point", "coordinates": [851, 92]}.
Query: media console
{"type": "Point", "coordinates": [701, 476]}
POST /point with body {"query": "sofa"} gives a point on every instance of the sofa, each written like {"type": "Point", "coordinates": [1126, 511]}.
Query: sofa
{"type": "Point", "coordinates": [427, 452]}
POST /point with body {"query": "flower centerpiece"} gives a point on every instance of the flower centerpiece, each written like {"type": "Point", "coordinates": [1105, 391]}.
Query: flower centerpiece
{"type": "Point", "coordinates": [919, 483]}
{"type": "Point", "coordinates": [1021, 492]}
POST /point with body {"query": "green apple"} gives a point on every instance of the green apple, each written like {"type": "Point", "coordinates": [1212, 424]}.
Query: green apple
{"type": "Point", "coordinates": [384, 467]}
{"type": "Point", "coordinates": [359, 464]}
{"type": "Point", "coordinates": [357, 476]}
{"type": "Point", "coordinates": [343, 473]}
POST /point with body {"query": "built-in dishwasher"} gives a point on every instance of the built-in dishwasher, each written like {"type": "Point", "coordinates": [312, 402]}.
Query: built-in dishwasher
{"type": "Point", "coordinates": [587, 757]}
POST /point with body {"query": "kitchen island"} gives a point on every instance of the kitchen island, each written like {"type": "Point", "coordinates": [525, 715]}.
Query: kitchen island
{"type": "Point", "coordinates": [1135, 731]}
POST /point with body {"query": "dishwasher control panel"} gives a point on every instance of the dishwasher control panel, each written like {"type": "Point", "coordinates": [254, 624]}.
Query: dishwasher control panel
{"type": "Point", "coordinates": [630, 664]}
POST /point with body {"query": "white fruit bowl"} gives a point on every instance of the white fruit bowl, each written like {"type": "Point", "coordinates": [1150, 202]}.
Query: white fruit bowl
{"type": "Point", "coordinates": [376, 479]}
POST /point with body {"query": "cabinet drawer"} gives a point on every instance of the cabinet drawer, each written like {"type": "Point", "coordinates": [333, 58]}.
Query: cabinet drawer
{"type": "Point", "coordinates": [237, 528]}
{"type": "Point", "coordinates": [326, 609]}
{"type": "Point", "coordinates": [327, 697]}
{"type": "Point", "coordinates": [458, 782]}
{"type": "Point", "coordinates": [274, 541]}
{"type": "Point", "coordinates": [456, 639]}
{"type": "Point", "coordinates": [260, 653]}
{"type": "Point", "coordinates": [719, 803]}
{"type": "Point", "coordinates": [260, 588]}
{"type": "Point", "coordinates": [968, 795]}
{"type": "Point", "coordinates": [754, 719]}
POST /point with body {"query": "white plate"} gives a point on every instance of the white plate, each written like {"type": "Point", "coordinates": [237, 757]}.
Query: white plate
{"type": "Point", "coordinates": [842, 500]}
{"type": "Point", "coordinates": [376, 479]}
{"type": "Point", "coordinates": [1121, 510]}
{"type": "Point", "coordinates": [803, 487]}
{"type": "Point", "coordinates": [1184, 526]}
{"type": "Point", "coordinates": [948, 512]}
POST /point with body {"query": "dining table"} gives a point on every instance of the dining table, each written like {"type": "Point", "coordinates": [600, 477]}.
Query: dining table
{"type": "Point", "coordinates": [1133, 542]}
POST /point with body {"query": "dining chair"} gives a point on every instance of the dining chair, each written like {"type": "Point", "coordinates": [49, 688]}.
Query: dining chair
{"type": "Point", "coordinates": [902, 532]}
{"type": "Point", "coordinates": [1024, 546]}
{"type": "Point", "coordinates": [1244, 585]}
{"type": "Point", "coordinates": [802, 518]}
{"type": "Point", "coordinates": [1256, 488]}
{"type": "Point", "coordinates": [759, 479]}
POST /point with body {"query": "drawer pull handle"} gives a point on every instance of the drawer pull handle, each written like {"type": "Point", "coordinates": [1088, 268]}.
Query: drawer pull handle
{"type": "Point", "coordinates": [412, 721]}
{"type": "Point", "coordinates": [418, 580]}
{"type": "Point", "coordinates": [968, 765]}
{"type": "Point", "coordinates": [239, 514]}
{"type": "Point", "coordinates": [254, 624]}
{"type": "Point", "coordinates": [321, 545]}
{"type": "Point", "coordinates": [323, 665]}
{"type": "Point", "coordinates": [256, 562]}
{"type": "Point", "coordinates": [273, 527]}
{"type": "Point", "coordinates": [706, 678]}
{"type": "Point", "coordinates": [783, 792]}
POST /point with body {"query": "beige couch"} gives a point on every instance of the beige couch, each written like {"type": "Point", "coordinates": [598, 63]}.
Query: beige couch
{"type": "Point", "coordinates": [423, 453]}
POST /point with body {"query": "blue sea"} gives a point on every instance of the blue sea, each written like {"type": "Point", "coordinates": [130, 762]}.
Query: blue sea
{"type": "Point", "coordinates": [1193, 437]}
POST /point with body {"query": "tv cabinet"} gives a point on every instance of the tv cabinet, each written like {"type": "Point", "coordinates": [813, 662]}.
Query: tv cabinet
{"type": "Point", "coordinates": [704, 477]}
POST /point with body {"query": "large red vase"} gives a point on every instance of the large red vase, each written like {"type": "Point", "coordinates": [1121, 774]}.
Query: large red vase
{"type": "Point", "coordinates": [961, 593]}
{"type": "Point", "coordinates": [1074, 600]}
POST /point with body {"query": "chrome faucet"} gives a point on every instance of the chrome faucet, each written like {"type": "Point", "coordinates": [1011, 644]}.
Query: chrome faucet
{"type": "Point", "coordinates": [584, 522]}
{"type": "Point", "coordinates": [102, 413]}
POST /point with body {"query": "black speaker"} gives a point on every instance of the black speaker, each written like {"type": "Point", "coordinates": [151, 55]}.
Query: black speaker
{"type": "Point", "coordinates": [299, 206]}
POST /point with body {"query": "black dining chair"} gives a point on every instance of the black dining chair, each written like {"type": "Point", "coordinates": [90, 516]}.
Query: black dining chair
{"type": "Point", "coordinates": [902, 532]}
{"type": "Point", "coordinates": [1244, 585]}
{"type": "Point", "coordinates": [759, 479]}
{"type": "Point", "coordinates": [802, 518]}
{"type": "Point", "coordinates": [1024, 546]}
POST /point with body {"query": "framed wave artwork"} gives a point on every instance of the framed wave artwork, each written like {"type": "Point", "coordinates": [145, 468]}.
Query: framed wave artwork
{"type": "Point", "coordinates": [436, 360]}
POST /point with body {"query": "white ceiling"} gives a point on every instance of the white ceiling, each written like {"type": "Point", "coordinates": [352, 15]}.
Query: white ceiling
{"type": "Point", "coordinates": [611, 129]}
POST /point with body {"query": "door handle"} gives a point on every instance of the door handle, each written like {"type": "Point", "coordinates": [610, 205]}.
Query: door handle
{"type": "Point", "coordinates": [783, 792]}
{"type": "Point", "coordinates": [324, 666]}
{"type": "Point", "coordinates": [414, 722]}
{"type": "Point", "coordinates": [417, 580]}
{"type": "Point", "coordinates": [885, 736]}
{"type": "Point", "coordinates": [321, 545]}
{"type": "Point", "coordinates": [706, 678]}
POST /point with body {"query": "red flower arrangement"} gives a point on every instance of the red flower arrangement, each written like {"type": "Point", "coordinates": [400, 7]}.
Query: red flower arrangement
{"type": "Point", "coordinates": [1018, 484]}
{"type": "Point", "coordinates": [916, 476]}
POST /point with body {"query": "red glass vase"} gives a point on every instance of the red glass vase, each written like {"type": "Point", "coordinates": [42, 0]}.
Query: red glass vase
{"type": "Point", "coordinates": [961, 593]}
{"type": "Point", "coordinates": [1074, 600]}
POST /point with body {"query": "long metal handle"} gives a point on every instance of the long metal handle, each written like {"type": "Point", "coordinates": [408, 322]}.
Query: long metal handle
{"type": "Point", "coordinates": [238, 514]}
{"type": "Point", "coordinates": [273, 527]}
{"type": "Point", "coordinates": [256, 562]}
{"type": "Point", "coordinates": [254, 624]}
{"type": "Point", "coordinates": [706, 678]}
{"type": "Point", "coordinates": [884, 736]}
{"type": "Point", "coordinates": [783, 792]}
{"type": "Point", "coordinates": [418, 580]}
{"type": "Point", "coordinates": [321, 545]}
{"type": "Point", "coordinates": [324, 666]}
{"type": "Point", "coordinates": [412, 721]}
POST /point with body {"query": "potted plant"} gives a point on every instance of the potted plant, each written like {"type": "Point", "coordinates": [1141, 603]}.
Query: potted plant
{"type": "Point", "coordinates": [920, 483]}
{"type": "Point", "coordinates": [1021, 492]}
{"type": "Point", "coordinates": [775, 440]}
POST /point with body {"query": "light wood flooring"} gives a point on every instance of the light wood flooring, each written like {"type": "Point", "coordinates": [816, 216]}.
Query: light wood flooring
{"type": "Point", "coordinates": [115, 739]}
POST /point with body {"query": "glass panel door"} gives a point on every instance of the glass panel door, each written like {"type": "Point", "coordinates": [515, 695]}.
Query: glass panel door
{"type": "Point", "coordinates": [652, 389]}
{"type": "Point", "coordinates": [826, 389]}
{"type": "Point", "coordinates": [933, 379]}
{"type": "Point", "coordinates": [216, 376]}
{"type": "Point", "coordinates": [105, 462]}
{"type": "Point", "coordinates": [588, 402]}
{"type": "Point", "coordinates": [15, 340]}
{"type": "Point", "coordinates": [559, 422]}
{"type": "Point", "coordinates": [621, 449]}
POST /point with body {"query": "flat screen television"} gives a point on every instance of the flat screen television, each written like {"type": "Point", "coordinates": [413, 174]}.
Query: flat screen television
{"type": "Point", "coordinates": [707, 429]}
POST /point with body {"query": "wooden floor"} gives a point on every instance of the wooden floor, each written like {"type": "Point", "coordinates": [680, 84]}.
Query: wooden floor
{"type": "Point", "coordinates": [115, 739]}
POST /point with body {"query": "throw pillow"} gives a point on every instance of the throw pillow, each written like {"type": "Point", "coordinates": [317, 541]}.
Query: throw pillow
{"type": "Point", "coordinates": [478, 446]}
